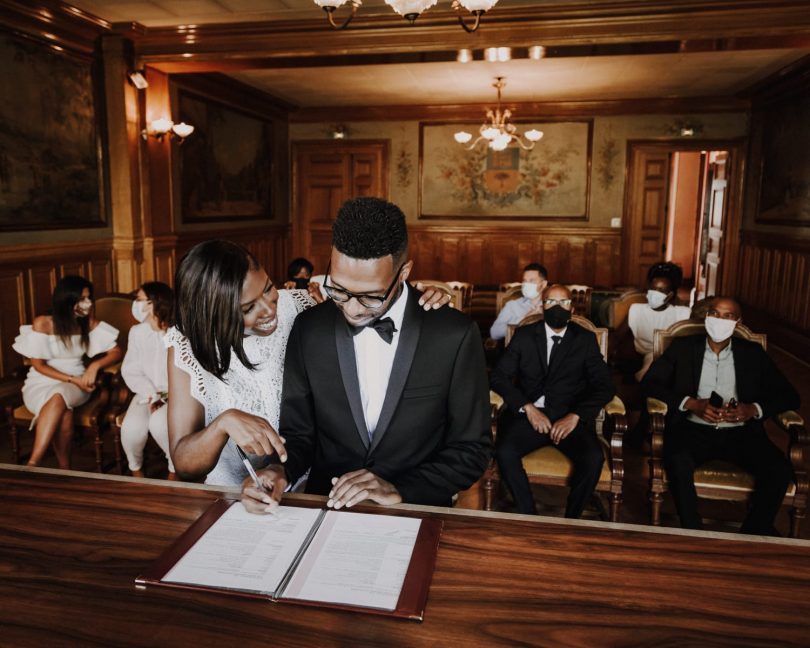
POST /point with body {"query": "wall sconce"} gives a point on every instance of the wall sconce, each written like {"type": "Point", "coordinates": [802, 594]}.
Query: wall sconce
{"type": "Point", "coordinates": [138, 80]}
{"type": "Point", "coordinates": [686, 128]}
{"type": "Point", "coordinates": [339, 132]}
{"type": "Point", "coordinates": [160, 128]}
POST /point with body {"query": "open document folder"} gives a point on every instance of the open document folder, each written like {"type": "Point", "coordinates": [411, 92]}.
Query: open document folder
{"type": "Point", "coordinates": [360, 561]}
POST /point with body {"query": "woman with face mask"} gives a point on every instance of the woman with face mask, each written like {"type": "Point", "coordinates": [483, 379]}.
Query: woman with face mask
{"type": "Point", "coordinates": [144, 372]}
{"type": "Point", "coordinates": [58, 380]}
{"type": "Point", "coordinates": [663, 281]}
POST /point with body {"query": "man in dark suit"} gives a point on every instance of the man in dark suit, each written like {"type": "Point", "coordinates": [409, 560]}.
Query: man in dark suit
{"type": "Point", "coordinates": [748, 390]}
{"type": "Point", "coordinates": [554, 382]}
{"type": "Point", "coordinates": [382, 400]}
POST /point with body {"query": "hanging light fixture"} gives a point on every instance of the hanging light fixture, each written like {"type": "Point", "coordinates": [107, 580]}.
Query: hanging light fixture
{"type": "Point", "coordinates": [497, 131]}
{"type": "Point", "coordinates": [163, 127]}
{"type": "Point", "coordinates": [476, 7]}
{"type": "Point", "coordinates": [410, 10]}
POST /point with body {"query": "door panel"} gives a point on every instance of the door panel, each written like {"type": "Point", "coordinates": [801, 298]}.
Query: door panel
{"type": "Point", "coordinates": [325, 175]}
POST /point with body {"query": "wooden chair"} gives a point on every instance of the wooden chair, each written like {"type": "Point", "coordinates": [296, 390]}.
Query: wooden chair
{"type": "Point", "coordinates": [116, 310]}
{"type": "Point", "coordinates": [549, 466]}
{"type": "Point", "coordinates": [619, 307]}
{"type": "Point", "coordinates": [508, 285]}
{"type": "Point", "coordinates": [504, 296]}
{"type": "Point", "coordinates": [581, 299]}
{"type": "Point", "coordinates": [458, 298]}
{"type": "Point", "coordinates": [466, 292]}
{"type": "Point", "coordinates": [720, 480]}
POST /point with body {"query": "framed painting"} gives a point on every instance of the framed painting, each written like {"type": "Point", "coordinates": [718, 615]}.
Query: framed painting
{"type": "Point", "coordinates": [549, 182]}
{"type": "Point", "coordinates": [784, 187]}
{"type": "Point", "coordinates": [226, 166]}
{"type": "Point", "coordinates": [51, 127]}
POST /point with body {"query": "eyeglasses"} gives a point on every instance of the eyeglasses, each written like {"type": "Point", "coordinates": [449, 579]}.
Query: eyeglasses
{"type": "Point", "coordinates": [548, 303]}
{"type": "Point", "coordinates": [341, 296]}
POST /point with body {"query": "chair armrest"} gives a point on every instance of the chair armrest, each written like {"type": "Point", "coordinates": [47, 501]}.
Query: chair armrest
{"type": "Point", "coordinates": [793, 424]}
{"type": "Point", "coordinates": [615, 406]}
{"type": "Point", "coordinates": [655, 406]}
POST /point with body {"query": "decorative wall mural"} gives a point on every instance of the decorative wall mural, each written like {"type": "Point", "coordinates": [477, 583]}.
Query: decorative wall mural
{"type": "Point", "coordinates": [551, 181]}
{"type": "Point", "coordinates": [226, 165]}
{"type": "Point", "coordinates": [784, 197]}
{"type": "Point", "coordinates": [404, 169]}
{"type": "Point", "coordinates": [607, 157]}
{"type": "Point", "coordinates": [50, 152]}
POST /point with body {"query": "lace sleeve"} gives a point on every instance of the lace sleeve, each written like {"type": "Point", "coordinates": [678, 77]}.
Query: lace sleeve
{"type": "Point", "coordinates": [211, 392]}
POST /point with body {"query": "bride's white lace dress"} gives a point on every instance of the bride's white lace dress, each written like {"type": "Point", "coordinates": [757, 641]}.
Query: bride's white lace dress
{"type": "Point", "coordinates": [256, 391]}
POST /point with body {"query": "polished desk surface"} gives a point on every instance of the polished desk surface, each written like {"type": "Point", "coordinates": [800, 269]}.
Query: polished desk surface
{"type": "Point", "coordinates": [72, 544]}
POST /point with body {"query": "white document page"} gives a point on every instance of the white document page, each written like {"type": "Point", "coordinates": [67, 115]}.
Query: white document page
{"type": "Point", "coordinates": [356, 559]}
{"type": "Point", "coordinates": [243, 551]}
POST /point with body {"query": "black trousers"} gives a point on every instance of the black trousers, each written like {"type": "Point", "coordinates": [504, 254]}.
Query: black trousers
{"type": "Point", "coordinates": [687, 445]}
{"type": "Point", "coordinates": [517, 438]}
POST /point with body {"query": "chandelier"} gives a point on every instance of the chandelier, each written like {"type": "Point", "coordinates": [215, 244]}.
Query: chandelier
{"type": "Point", "coordinates": [497, 131]}
{"type": "Point", "coordinates": [410, 10]}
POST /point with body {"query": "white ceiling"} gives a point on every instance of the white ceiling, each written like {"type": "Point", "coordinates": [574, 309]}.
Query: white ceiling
{"type": "Point", "coordinates": [553, 79]}
{"type": "Point", "coordinates": [701, 74]}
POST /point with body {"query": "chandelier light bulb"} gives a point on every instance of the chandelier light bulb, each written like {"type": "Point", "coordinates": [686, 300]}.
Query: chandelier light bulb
{"type": "Point", "coordinates": [334, 4]}
{"type": "Point", "coordinates": [490, 133]}
{"type": "Point", "coordinates": [477, 5]}
{"type": "Point", "coordinates": [182, 130]}
{"type": "Point", "coordinates": [410, 9]}
{"type": "Point", "coordinates": [501, 142]}
{"type": "Point", "coordinates": [533, 135]}
{"type": "Point", "coordinates": [161, 126]}
{"type": "Point", "coordinates": [462, 137]}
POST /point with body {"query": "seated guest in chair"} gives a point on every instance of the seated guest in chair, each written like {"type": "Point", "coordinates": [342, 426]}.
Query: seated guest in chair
{"type": "Point", "coordinates": [299, 276]}
{"type": "Point", "coordinates": [535, 279]}
{"type": "Point", "coordinates": [382, 400]}
{"type": "Point", "coordinates": [663, 281]}
{"type": "Point", "coordinates": [719, 391]}
{"type": "Point", "coordinates": [554, 382]}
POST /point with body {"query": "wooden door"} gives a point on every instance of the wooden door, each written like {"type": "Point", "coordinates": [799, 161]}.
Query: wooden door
{"type": "Point", "coordinates": [714, 213]}
{"type": "Point", "coordinates": [325, 175]}
{"type": "Point", "coordinates": [644, 231]}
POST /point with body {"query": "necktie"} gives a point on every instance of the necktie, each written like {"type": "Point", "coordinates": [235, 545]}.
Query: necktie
{"type": "Point", "coordinates": [556, 339]}
{"type": "Point", "coordinates": [385, 329]}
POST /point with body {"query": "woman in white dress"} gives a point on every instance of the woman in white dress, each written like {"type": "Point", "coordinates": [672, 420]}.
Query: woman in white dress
{"type": "Point", "coordinates": [58, 380]}
{"type": "Point", "coordinates": [144, 371]}
{"type": "Point", "coordinates": [226, 361]}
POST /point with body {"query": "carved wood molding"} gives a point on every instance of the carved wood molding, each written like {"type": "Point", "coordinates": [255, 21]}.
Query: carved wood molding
{"type": "Point", "coordinates": [25, 252]}
{"type": "Point", "coordinates": [223, 89]}
{"type": "Point", "coordinates": [523, 110]}
{"type": "Point", "coordinates": [57, 24]}
{"type": "Point", "coordinates": [788, 243]}
{"type": "Point", "coordinates": [511, 230]}
{"type": "Point", "coordinates": [546, 22]}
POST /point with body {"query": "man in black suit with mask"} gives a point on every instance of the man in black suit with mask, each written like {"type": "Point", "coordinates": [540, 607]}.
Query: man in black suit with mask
{"type": "Point", "coordinates": [554, 382]}
{"type": "Point", "coordinates": [382, 400]}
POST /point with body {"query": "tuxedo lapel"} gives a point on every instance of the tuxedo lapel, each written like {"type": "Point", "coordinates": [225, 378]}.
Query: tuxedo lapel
{"type": "Point", "coordinates": [403, 359]}
{"type": "Point", "coordinates": [742, 373]}
{"type": "Point", "coordinates": [698, 352]}
{"type": "Point", "coordinates": [348, 372]}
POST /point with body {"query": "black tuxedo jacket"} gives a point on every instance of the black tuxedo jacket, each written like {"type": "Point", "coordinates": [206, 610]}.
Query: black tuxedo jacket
{"type": "Point", "coordinates": [577, 381]}
{"type": "Point", "coordinates": [432, 439]}
{"type": "Point", "coordinates": [676, 375]}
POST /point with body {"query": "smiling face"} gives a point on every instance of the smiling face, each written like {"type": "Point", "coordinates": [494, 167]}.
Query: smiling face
{"type": "Point", "coordinates": [364, 277]}
{"type": "Point", "coordinates": [259, 303]}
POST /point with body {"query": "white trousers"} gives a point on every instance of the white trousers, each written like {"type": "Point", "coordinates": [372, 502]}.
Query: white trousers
{"type": "Point", "coordinates": [135, 429]}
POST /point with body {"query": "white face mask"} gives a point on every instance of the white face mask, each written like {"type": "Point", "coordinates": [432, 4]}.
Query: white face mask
{"type": "Point", "coordinates": [84, 307]}
{"type": "Point", "coordinates": [529, 290]}
{"type": "Point", "coordinates": [720, 330]}
{"type": "Point", "coordinates": [656, 299]}
{"type": "Point", "coordinates": [139, 311]}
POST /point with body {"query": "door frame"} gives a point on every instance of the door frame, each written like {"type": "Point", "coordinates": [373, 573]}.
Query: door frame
{"type": "Point", "coordinates": [297, 231]}
{"type": "Point", "coordinates": [736, 148]}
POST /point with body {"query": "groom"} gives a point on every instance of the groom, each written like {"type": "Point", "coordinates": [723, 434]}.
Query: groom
{"type": "Point", "coordinates": [382, 400]}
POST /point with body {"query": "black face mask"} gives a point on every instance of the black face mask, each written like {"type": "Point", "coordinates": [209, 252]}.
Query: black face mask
{"type": "Point", "coordinates": [556, 317]}
{"type": "Point", "coordinates": [301, 283]}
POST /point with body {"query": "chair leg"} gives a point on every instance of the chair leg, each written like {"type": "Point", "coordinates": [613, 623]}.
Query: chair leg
{"type": "Point", "coordinates": [99, 450]}
{"type": "Point", "coordinates": [797, 515]}
{"type": "Point", "coordinates": [490, 485]}
{"type": "Point", "coordinates": [615, 503]}
{"type": "Point", "coordinates": [116, 432]}
{"type": "Point", "coordinates": [14, 435]}
{"type": "Point", "coordinates": [656, 499]}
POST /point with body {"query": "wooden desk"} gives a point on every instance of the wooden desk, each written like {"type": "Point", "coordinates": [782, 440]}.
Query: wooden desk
{"type": "Point", "coordinates": [72, 544]}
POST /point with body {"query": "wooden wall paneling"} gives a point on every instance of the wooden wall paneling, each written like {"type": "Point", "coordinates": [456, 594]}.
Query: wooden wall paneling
{"type": "Point", "coordinates": [12, 287]}
{"type": "Point", "coordinates": [41, 282]}
{"type": "Point", "coordinates": [101, 274]}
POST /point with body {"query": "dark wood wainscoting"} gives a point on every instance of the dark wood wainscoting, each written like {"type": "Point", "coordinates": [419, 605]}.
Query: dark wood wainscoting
{"type": "Point", "coordinates": [28, 275]}
{"type": "Point", "coordinates": [268, 243]}
{"type": "Point", "coordinates": [491, 254]}
{"type": "Point", "coordinates": [773, 286]}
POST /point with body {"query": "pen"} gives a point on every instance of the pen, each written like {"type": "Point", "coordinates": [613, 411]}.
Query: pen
{"type": "Point", "coordinates": [250, 470]}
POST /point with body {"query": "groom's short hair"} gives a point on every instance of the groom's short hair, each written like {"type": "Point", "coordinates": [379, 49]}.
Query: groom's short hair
{"type": "Point", "coordinates": [370, 228]}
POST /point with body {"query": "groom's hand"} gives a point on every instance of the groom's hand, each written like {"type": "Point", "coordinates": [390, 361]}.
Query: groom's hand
{"type": "Point", "coordinates": [360, 485]}
{"type": "Point", "coordinates": [274, 481]}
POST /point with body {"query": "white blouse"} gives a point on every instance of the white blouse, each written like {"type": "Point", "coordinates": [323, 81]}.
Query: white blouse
{"type": "Point", "coordinates": [256, 391]}
{"type": "Point", "coordinates": [144, 368]}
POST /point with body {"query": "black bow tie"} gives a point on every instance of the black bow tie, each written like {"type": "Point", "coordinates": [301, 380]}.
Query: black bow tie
{"type": "Point", "coordinates": [385, 329]}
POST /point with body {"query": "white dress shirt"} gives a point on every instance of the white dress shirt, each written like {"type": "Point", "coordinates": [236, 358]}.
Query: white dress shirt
{"type": "Point", "coordinates": [375, 358]}
{"type": "Point", "coordinates": [512, 312]}
{"type": "Point", "coordinates": [541, 402]}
